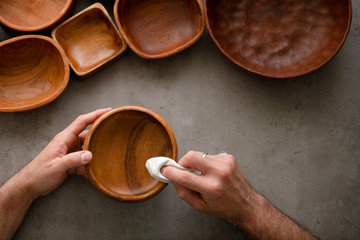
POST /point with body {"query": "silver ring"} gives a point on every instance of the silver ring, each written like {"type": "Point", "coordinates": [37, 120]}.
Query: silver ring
{"type": "Point", "coordinates": [204, 155]}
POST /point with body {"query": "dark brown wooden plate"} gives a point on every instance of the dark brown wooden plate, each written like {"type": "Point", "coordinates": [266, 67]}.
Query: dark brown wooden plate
{"type": "Point", "coordinates": [279, 39]}
{"type": "Point", "coordinates": [121, 141]}
{"type": "Point", "coordinates": [34, 15]}
{"type": "Point", "coordinates": [159, 28]}
{"type": "Point", "coordinates": [90, 40]}
{"type": "Point", "coordinates": [33, 72]}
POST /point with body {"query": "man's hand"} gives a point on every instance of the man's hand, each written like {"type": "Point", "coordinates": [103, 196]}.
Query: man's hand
{"type": "Point", "coordinates": [61, 157]}
{"type": "Point", "coordinates": [222, 190]}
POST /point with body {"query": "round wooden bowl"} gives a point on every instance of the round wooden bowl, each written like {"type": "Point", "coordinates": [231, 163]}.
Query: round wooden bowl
{"type": "Point", "coordinates": [279, 39]}
{"type": "Point", "coordinates": [159, 28]}
{"type": "Point", "coordinates": [33, 72]}
{"type": "Point", "coordinates": [34, 15]}
{"type": "Point", "coordinates": [121, 141]}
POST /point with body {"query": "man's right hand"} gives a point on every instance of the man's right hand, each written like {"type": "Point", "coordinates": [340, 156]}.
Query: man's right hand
{"type": "Point", "coordinates": [222, 190]}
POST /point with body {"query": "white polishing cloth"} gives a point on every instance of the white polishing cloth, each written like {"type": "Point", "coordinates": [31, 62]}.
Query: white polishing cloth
{"type": "Point", "coordinates": [155, 164]}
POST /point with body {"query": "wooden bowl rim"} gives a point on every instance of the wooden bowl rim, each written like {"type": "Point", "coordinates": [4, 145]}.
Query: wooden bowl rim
{"type": "Point", "coordinates": [165, 54]}
{"type": "Point", "coordinates": [58, 90]}
{"type": "Point", "coordinates": [48, 25]}
{"type": "Point", "coordinates": [83, 12]}
{"type": "Point", "coordinates": [285, 76]}
{"type": "Point", "coordinates": [120, 197]}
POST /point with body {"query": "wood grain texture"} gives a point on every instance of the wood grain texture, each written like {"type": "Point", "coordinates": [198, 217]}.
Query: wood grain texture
{"type": "Point", "coordinates": [34, 15]}
{"type": "Point", "coordinates": [90, 40]}
{"type": "Point", "coordinates": [279, 39]}
{"type": "Point", "coordinates": [121, 141]}
{"type": "Point", "coordinates": [159, 28]}
{"type": "Point", "coordinates": [33, 72]}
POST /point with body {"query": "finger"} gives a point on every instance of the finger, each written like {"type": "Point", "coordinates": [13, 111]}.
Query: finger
{"type": "Point", "coordinates": [81, 171]}
{"type": "Point", "coordinates": [78, 170]}
{"type": "Point", "coordinates": [81, 122]}
{"type": "Point", "coordinates": [194, 199]}
{"type": "Point", "coordinates": [82, 136]}
{"type": "Point", "coordinates": [74, 160]}
{"type": "Point", "coordinates": [195, 160]}
{"type": "Point", "coordinates": [185, 178]}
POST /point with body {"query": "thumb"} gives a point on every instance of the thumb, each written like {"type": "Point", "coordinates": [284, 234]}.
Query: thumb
{"type": "Point", "coordinates": [76, 159]}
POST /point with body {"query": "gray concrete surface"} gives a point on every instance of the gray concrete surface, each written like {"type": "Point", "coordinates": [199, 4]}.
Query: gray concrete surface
{"type": "Point", "coordinates": [297, 141]}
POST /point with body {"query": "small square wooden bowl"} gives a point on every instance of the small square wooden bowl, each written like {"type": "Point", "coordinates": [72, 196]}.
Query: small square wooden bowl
{"type": "Point", "coordinates": [121, 141]}
{"type": "Point", "coordinates": [34, 15]}
{"type": "Point", "coordinates": [159, 28]}
{"type": "Point", "coordinates": [33, 72]}
{"type": "Point", "coordinates": [89, 39]}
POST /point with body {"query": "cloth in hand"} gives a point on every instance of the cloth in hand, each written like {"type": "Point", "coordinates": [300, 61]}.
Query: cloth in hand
{"type": "Point", "coordinates": [155, 164]}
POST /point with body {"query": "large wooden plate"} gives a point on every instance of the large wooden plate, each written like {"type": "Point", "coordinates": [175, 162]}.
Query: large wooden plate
{"type": "Point", "coordinates": [279, 39]}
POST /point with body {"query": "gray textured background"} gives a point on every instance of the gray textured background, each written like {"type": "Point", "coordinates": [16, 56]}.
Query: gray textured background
{"type": "Point", "coordinates": [297, 141]}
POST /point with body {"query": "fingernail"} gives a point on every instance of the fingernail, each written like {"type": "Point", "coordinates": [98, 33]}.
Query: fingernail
{"type": "Point", "coordinates": [86, 157]}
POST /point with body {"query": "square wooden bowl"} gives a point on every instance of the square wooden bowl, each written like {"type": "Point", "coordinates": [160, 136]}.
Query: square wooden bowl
{"type": "Point", "coordinates": [159, 28]}
{"type": "Point", "coordinates": [121, 142]}
{"type": "Point", "coordinates": [90, 40]}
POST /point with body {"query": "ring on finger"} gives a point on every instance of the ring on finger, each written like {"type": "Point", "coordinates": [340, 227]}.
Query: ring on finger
{"type": "Point", "coordinates": [204, 155]}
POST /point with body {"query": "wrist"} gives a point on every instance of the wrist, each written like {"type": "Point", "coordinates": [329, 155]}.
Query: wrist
{"type": "Point", "coordinates": [254, 218]}
{"type": "Point", "coordinates": [23, 181]}
{"type": "Point", "coordinates": [266, 222]}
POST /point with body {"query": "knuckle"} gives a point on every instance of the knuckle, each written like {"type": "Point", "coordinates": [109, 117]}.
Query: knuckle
{"type": "Point", "coordinates": [58, 137]}
{"type": "Point", "coordinates": [191, 154]}
{"type": "Point", "coordinates": [80, 118]}
{"type": "Point", "coordinates": [60, 143]}
{"type": "Point", "coordinates": [181, 193]}
{"type": "Point", "coordinates": [57, 143]}
{"type": "Point", "coordinates": [224, 173]}
{"type": "Point", "coordinates": [188, 157]}
{"type": "Point", "coordinates": [186, 178]}
{"type": "Point", "coordinates": [216, 188]}
{"type": "Point", "coordinates": [230, 161]}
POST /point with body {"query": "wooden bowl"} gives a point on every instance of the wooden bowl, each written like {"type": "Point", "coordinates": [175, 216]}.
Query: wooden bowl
{"type": "Point", "coordinates": [159, 28]}
{"type": "Point", "coordinates": [279, 39]}
{"type": "Point", "coordinates": [33, 72]}
{"type": "Point", "coordinates": [34, 15]}
{"type": "Point", "coordinates": [121, 141]}
{"type": "Point", "coordinates": [89, 39]}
